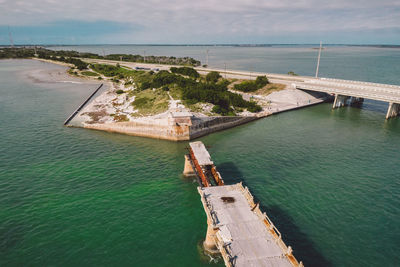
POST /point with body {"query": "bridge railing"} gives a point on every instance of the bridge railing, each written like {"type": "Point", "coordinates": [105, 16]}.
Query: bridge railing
{"type": "Point", "coordinates": [352, 93]}
{"type": "Point", "coordinates": [360, 82]}
{"type": "Point", "coordinates": [371, 87]}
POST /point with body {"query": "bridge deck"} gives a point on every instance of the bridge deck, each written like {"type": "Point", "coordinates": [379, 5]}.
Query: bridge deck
{"type": "Point", "coordinates": [375, 91]}
{"type": "Point", "coordinates": [245, 236]}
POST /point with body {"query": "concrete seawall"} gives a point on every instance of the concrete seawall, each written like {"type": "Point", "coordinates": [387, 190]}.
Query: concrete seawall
{"type": "Point", "coordinates": [157, 131]}
{"type": "Point", "coordinates": [176, 132]}
{"type": "Point", "coordinates": [214, 124]}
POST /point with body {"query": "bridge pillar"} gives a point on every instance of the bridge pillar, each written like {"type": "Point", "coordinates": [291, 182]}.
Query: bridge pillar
{"type": "Point", "coordinates": [188, 169]}
{"type": "Point", "coordinates": [340, 101]}
{"type": "Point", "coordinates": [209, 244]}
{"type": "Point", "coordinates": [393, 110]}
{"type": "Point", "coordinates": [356, 101]}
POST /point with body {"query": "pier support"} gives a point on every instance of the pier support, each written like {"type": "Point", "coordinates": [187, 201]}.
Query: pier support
{"type": "Point", "coordinates": [340, 101]}
{"type": "Point", "coordinates": [209, 244]}
{"type": "Point", "coordinates": [393, 110]}
{"type": "Point", "coordinates": [188, 169]}
{"type": "Point", "coordinates": [356, 101]}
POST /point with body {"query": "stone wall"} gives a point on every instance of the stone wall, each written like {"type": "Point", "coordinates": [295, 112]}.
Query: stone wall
{"type": "Point", "coordinates": [173, 132]}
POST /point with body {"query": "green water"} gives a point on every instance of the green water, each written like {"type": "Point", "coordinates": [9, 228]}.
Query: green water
{"type": "Point", "coordinates": [328, 179]}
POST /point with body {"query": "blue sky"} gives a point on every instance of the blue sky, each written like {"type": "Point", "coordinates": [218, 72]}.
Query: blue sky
{"type": "Point", "coordinates": [206, 21]}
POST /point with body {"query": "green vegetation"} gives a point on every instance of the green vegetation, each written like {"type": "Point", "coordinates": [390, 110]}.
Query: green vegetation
{"type": "Point", "coordinates": [251, 86]}
{"type": "Point", "coordinates": [213, 76]}
{"type": "Point", "coordinates": [186, 71]}
{"type": "Point", "coordinates": [29, 52]}
{"type": "Point", "coordinates": [292, 73]}
{"type": "Point", "coordinates": [150, 102]}
{"type": "Point", "coordinates": [108, 70]}
{"type": "Point", "coordinates": [181, 83]}
{"type": "Point", "coordinates": [190, 90]}
{"type": "Point", "coordinates": [119, 91]}
{"type": "Point", "coordinates": [89, 73]}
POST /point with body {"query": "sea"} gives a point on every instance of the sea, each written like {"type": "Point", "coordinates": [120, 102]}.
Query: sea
{"type": "Point", "coordinates": [328, 179]}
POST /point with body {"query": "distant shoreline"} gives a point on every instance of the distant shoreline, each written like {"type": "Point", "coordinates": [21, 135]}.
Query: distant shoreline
{"type": "Point", "coordinates": [213, 45]}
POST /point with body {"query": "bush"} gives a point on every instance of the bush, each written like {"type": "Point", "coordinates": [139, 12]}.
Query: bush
{"type": "Point", "coordinates": [213, 76]}
{"type": "Point", "coordinates": [119, 91]}
{"type": "Point", "coordinates": [251, 86]}
{"type": "Point", "coordinates": [89, 73]}
{"type": "Point", "coordinates": [261, 81]}
{"type": "Point", "coordinates": [186, 71]}
{"type": "Point", "coordinates": [246, 86]}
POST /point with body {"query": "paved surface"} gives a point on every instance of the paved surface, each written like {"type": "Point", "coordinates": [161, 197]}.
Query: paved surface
{"type": "Point", "coordinates": [201, 153]}
{"type": "Point", "coordinates": [242, 232]}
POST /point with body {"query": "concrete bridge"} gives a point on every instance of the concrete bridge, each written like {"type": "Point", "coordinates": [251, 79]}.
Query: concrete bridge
{"type": "Point", "coordinates": [236, 227]}
{"type": "Point", "coordinates": [354, 92]}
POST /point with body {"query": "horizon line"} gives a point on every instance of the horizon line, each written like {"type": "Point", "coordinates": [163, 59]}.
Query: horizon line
{"type": "Point", "coordinates": [200, 44]}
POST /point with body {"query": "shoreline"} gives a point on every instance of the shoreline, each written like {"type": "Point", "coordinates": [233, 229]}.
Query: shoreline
{"type": "Point", "coordinates": [170, 125]}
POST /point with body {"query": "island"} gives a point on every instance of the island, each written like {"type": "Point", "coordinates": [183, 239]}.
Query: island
{"type": "Point", "coordinates": [167, 97]}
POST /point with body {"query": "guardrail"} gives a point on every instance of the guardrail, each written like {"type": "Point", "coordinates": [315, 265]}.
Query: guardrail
{"type": "Point", "coordinates": [352, 93]}
{"type": "Point", "coordinates": [373, 87]}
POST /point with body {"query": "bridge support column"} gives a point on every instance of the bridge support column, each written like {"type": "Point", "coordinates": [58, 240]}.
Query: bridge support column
{"type": "Point", "coordinates": [356, 101]}
{"type": "Point", "coordinates": [393, 110]}
{"type": "Point", "coordinates": [340, 101]}
{"type": "Point", "coordinates": [188, 169]}
{"type": "Point", "coordinates": [209, 244]}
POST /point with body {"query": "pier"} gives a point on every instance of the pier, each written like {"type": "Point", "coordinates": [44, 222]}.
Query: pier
{"type": "Point", "coordinates": [236, 227]}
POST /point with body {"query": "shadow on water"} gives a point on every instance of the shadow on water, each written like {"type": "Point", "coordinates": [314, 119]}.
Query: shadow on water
{"type": "Point", "coordinates": [304, 248]}
{"type": "Point", "coordinates": [230, 173]}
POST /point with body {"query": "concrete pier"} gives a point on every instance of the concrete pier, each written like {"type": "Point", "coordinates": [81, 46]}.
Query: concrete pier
{"type": "Point", "coordinates": [242, 233]}
{"type": "Point", "coordinates": [393, 110]}
{"type": "Point", "coordinates": [340, 101]}
{"type": "Point", "coordinates": [188, 169]}
{"type": "Point", "coordinates": [236, 227]}
{"type": "Point", "coordinates": [356, 101]}
{"type": "Point", "coordinates": [209, 243]}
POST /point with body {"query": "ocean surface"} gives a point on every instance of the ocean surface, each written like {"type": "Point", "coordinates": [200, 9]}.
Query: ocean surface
{"type": "Point", "coordinates": [328, 179]}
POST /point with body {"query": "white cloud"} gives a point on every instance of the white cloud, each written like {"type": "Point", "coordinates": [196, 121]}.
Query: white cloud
{"type": "Point", "coordinates": [183, 19]}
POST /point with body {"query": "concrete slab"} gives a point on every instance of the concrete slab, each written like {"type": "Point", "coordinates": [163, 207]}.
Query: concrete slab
{"type": "Point", "coordinates": [241, 230]}
{"type": "Point", "coordinates": [201, 153]}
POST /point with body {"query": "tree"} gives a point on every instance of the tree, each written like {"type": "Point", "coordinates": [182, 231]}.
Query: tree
{"type": "Point", "coordinates": [213, 76]}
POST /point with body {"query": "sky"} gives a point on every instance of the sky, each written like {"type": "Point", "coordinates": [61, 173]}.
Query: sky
{"type": "Point", "coordinates": [200, 21]}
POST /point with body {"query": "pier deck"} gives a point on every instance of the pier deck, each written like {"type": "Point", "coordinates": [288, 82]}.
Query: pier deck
{"type": "Point", "coordinates": [244, 235]}
{"type": "Point", "coordinates": [237, 228]}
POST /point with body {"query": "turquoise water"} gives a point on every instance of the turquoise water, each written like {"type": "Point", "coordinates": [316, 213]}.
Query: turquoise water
{"type": "Point", "coordinates": [329, 180]}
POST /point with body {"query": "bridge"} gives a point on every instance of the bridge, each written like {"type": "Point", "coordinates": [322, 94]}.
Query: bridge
{"type": "Point", "coordinates": [236, 227]}
{"type": "Point", "coordinates": [354, 92]}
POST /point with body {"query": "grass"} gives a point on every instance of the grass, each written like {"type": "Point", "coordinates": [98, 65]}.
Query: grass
{"type": "Point", "coordinates": [270, 88]}
{"type": "Point", "coordinates": [89, 73]}
{"type": "Point", "coordinates": [149, 102]}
